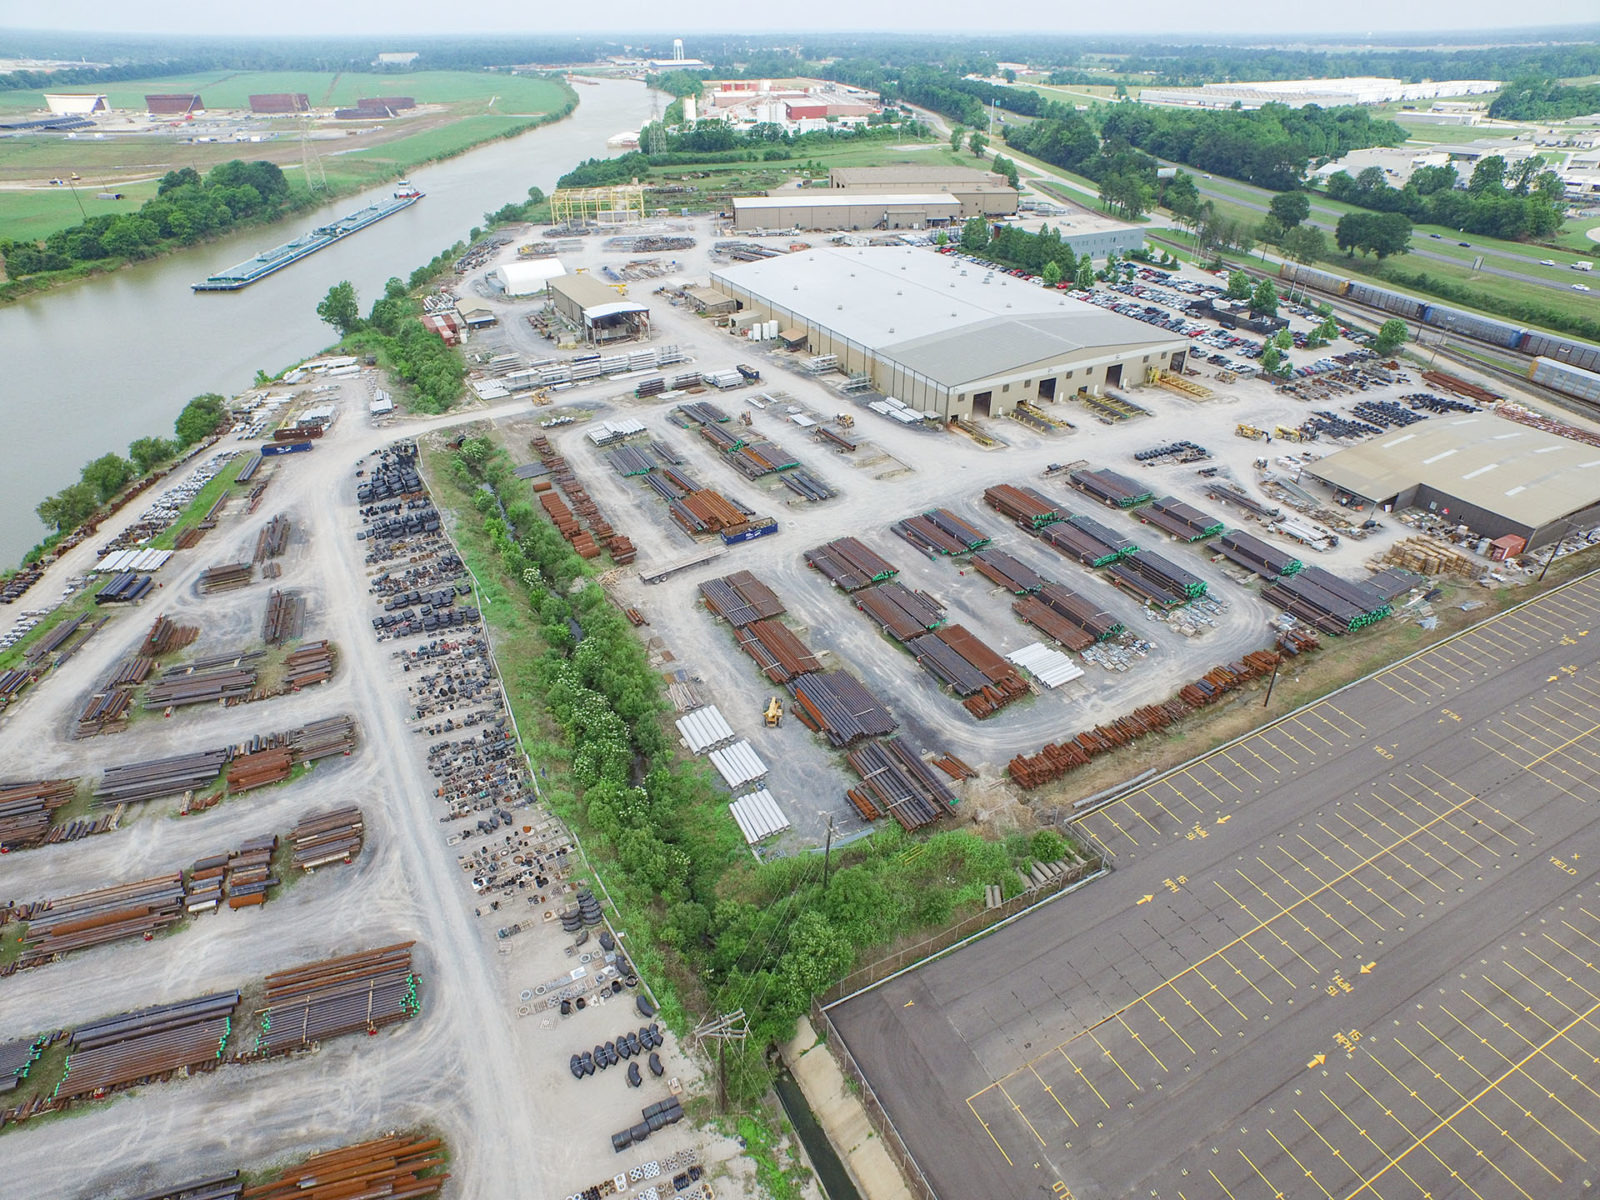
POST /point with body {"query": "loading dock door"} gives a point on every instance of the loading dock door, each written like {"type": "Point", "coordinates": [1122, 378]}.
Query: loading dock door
{"type": "Point", "coordinates": [981, 403]}
{"type": "Point", "coordinates": [1114, 375]}
{"type": "Point", "coordinates": [1047, 389]}
{"type": "Point", "coordinates": [1178, 360]}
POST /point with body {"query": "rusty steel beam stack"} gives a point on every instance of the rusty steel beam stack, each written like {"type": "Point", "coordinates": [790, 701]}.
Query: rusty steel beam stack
{"type": "Point", "coordinates": [396, 1168]}
{"type": "Point", "coordinates": [1008, 571]}
{"type": "Point", "coordinates": [780, 654]}
{"type": "Point", "coordinates": [1060, 758]}
{"type": "Point", "coordinates": [226, 1186]}
{"type": "Point", "coordinates": [311, 663]}
{"type": "Point", "coordinates": [259, 769]}
{"type": "Point", "coordinates": [323, 739]}
{"type": "Point", "coordinates": [221, 679]}
{"type": "Point", "coordinates": [27, 807]}
{"type": "Point", "coordinates": [165, 636]}
{"type": "Point", "coordinates": [903, 613]}
{"type": "Point", "coordinates": [621, 549]}
{"type": "Point", "coordinates": [273, 539]}
{"type": "Point", "coordinates": [897, 783]}
{"type": "Point", "coordinates": [1110, 488]}
{"type": "Point", "coordinates": [850, 564]}
{"type": "Point", "coordinates": [241, 877]}
{"type": "Point", "coordinates": [740, 598]}
{"type": "Point", "coordinates": [327, 837]}
{"type": "Point", "coordinates": [107, 709]}
{"type": "Point", "coordinates": [286, 618]}
{"type": "Point", "coordinates": [134, 782]}
{"type": "Point", "coordinates": [1028, 508]}
{"type": "Point", "coordinates": [146, 1045]}
{"type": "Point", "coordinates": [836, 705]}
{"type": "Point", "coordinates": [971, 668]}
{"type": "Point", "coordinates": [1461, 387]}
{"type": "Point", "coordinates": [940, 531]}
{"type": "Point", "coordinates": [355, 993]}
{"type": "Point", "coordinates": [226, 577]}
{"type": "Point", "coordinates": [108, 914]}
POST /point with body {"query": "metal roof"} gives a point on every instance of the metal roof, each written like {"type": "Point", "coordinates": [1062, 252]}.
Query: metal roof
{"type": "Point", "coordinates": [1001, 344]}
{"type": "Point", "coordinates": [593, 312]}
{"type": "Point", "coordinates": [758, 816]}
{"type": "Point", "coordinates": [955, 178]}
{"type": "Point", "coordinates": [1523, 474]}
{"type": "Point", "coordinates": [525, 278]}
{"type": "Point", "coordinates": [843, 197]}
{"type": "Point", "coordinates": [704, 728]}
{"type": "Point", "coordinates": [738, 764]}
{"type": "Point", "coordinates": [903, 299]}
{"type": "Point", "coordinates": [1050, 667]}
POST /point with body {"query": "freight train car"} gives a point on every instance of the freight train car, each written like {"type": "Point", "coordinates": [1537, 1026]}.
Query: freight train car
{"type": "Point", "coordinates": [1322, 281]}
{"type": "Point", "coordinates": [1569, 380]}
{"type": "Point", "coordinates": [1407, 307]}
{"type": "Point", "coordinates": [1473, 325]}
{"type": "Point", "coordinates": [1536, 344]}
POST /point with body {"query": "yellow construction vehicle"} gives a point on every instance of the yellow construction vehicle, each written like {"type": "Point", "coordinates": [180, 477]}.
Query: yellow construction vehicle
{"type": "Point", "coordinates": [774, 713]}
{"type": "Point", "coordinates": [1288, 435]}
{"type": "Point", "coordinates": [844, 420]}
{"type": "Point", "coordinates": [541, 395]}
{"type": "Point", "coordinates": [1249, 431]}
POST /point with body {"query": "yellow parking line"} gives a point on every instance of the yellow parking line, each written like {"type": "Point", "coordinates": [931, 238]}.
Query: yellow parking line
{"type": "Point", "coordinates": [1190, 1005]}
{"type": "Point", "coordinates": [1135, 1036]}
{"type": "Point", "coordinates": [1365, 1136]}
{"type": "Point", "coordinates": [1321, 1137]}
{"type": "Point", "coordinates": [1326, 915]}
{"type": "Point", "coordinates": [1078, 1071]}
{"type": "Point", "coordinates": [1277, 1192]}
{"type": "Point", "coordinates": [1309, 1174]}
{"type": "Point", "coordinates": [1240, 765]}
{"type": "Point", "coordinates": [1229, 964]}
{"type": "Point", "coordinates": [1226, 999]}
{"type": "Point", "coordinates": [1274, 932]}
{"type": "Point", "coordinates": [1051, 1092]}
{"type": "Point", "coordinates": [1222, 1185]}
{"type": "Point", "coordinates": [1169, 1027]}
{"type": "Point", "coordinates": [1212, 767]}
{"type": "Point", "coordinates": [1414, 1094]}
{"type": "Point", "coordinates": [1349, 901]}
{"type": "Point", "coordinates": [1017, 1108]}
{"type": "Point", "coordinates": [992, 1137]}
{"type": "Point", "coordinates": [1342, 713]}
{"type": "Point", "coordinates": [1310, 732]}
{"type": "Point", "coordinates": [1113, 1060]}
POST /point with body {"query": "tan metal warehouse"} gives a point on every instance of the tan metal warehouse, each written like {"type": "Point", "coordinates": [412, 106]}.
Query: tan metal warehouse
{"type": "Point", "coordinates": [826, 208]}
{"type": "Point", "coordinates": [982, 193]}
{"type": "Point", "coordinates": [944, 336]}
{"type": "Point", "coordinates": [598, 311]}
{"type": "Point", "coordinates": [1483, 472]}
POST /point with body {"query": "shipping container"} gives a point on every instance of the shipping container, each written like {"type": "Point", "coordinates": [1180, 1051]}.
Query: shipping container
{"type": "Point", "coordinates": [272, 448]}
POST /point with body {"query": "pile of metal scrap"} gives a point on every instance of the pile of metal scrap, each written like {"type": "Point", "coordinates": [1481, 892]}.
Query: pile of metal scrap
{"type": "Point", "coordinates": [850, 564]}
{"type": "Point", "coordinates": [779, 653]}
{"type": "Point", "coordinates": [273, 539]}
{"type": "Point", "coordinates": [165, 636]}
{"type": "Point", "coordinates": [740, 598]}
{"type": "Point", "coordinates": [940, 531]}
{"type": "Point", "coordinates": [109, 914]}
{"type": "Point", "coordinates": [327, 837]}
{"type": "Point", "coordinates": [311, 663]}
{"type": "Point", "coordinates": [1181, 520]}
{"type": "Point", "coordinates": [1156, 579]}
{"type": "Point", "coordinates": [1110, 488]}
{"type": "Point", "coordinates": [1057, 759]}
{"type": "Point", "coordinates": [354, 993]}
{"type": "Point", "coordinates": [1265, 559]}
{"type": "Point", "coordinates": [398, 1167]}
{"type": "Point", "coordinates": [1008, 571]}
{"type": "Point", "coordinates": [106, 710]}
{"type": "Point", "coordinates": [151, 780]}
{"type": "Point", "coordinates": [1027, 507]}
{"type": "Point", "coordinates": [286, 617]}
{"type": "Point", "coordinates": [222, 678]}
{"type": "Point", "coordinates": [836, 705]}
{"type": "Point", "coordinates": [903, 613]}
{"type": "Point", "coordinates": [1088, 541]}
{"type": "Point", "coordinates": [972, 669]}
{"type": "Point", "coordinates": [226, 577]}
{"type": "Point", "coordinates": [28, 806]}
{"type": "Point", "coordinates": [896, 782]}
{"type": "Point", "coordinates": [148, 1044]}
{"type": "Point", "coordinates": [1327, 602]}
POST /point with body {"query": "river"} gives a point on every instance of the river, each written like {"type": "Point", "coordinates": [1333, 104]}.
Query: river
{"type": "Point", "coordinates": [90, 367]}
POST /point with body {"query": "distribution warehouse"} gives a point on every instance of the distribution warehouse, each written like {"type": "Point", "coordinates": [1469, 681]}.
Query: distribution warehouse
{"type": "Point", "coordinates": [944, 335]}
{"type": "Point", "coordinates": [1481, 471]}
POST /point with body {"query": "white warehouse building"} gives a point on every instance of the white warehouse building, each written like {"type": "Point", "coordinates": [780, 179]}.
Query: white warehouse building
{"type": "Point", "coordinates": [942, 335]}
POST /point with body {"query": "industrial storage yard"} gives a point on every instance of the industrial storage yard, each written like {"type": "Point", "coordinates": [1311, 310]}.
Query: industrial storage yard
{"type": "Point", "coordinates": [863, 613]}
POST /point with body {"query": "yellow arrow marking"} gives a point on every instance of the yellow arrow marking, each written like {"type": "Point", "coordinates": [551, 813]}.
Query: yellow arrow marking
{"type": "Point", "coordinates": [1316, 1061]}
{"type": "Point", "coordinates": [908, 1004]}
{"type": "Point", "coordinates": [1366, 968]}
{"type": "Point", "coordinates": [1224, 820]}
{"type": "Point", "coordinates": [1144, 899]}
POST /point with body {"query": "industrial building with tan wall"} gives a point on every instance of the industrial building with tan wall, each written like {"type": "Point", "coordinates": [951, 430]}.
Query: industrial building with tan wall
{"type": "Point", "coordinates": [824, 208]}
{"type": "Point", "coordinates": [943, 336]}
{"type": "Point", "coordinates": [982, 193]}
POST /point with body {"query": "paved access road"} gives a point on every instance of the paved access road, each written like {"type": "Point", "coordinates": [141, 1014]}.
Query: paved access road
{"type": "Point", "coordinates": [1355, 954]}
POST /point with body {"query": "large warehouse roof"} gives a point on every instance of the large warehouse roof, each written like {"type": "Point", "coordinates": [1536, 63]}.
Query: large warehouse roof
{"type": "Point", "coordinates": [526, 278]}
{"type": "Point", "coordinates": [910, 299]}
{"type": "Point", "coordinates": [834, 197]}
{"type": "Point", "coordinates": [916, 174]}
{"type": "Point", "coordinates": [1523, 474]}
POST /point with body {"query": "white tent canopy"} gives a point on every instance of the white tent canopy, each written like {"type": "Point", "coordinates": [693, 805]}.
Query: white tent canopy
{"type": "Point", "coordinates": [528, 278]}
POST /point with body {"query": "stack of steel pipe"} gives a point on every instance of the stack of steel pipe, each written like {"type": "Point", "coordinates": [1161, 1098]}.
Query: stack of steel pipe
{"type": "Point", "coordinates": [903, 613]}
{"type": "Point", "coordinates": [1052, 624]}
{"type": "Point", "coordinates": [226, 1186]}
{"type": "Point", "coordinates": [1008, 571]}
{"type": "Point", "coordinates": [26, 808]}
{"type": "Point", "coordinates": [1263, 558]}
{"type": "Point", "coordinates": [894, 780]}
{"type": "Point", "coordinates": [702, 413]}
{"type": "Point", "coordinates": [327, 837]}
{"type": "Point", "coordinates": [147, 1044]}
{"type": "Point", "coordinates": [970, 668]}
{"type": "Point", "coordinates": [1110, 488]}
{"type": "Point", "coordinates": [1328, 602]}
{"type": "Point", "coordinates": [780, 654]}
{"type": "Point", "coordinates": [350, 994]}
{"type": "Point", "coordinates": [273, 538]}
{"type": "Point", "coordinates": [835, 704]}
{"type": "Point", "coordinates": [396, 1168]}
{"type": "Point", "coordinates": [850, 564]}
{"type": "Point", "coordinates": [1028, 508]}
{"type": "Point", "coordinates": [323, 739]}
{"type": "Point", "coordinates": [1181, 520]}
{"type": "Point", "coordinates": [108, 914]}
{"type": "Point", "coordinates": [15, 1059]}
{"type": "Point", "coordinates": [201, 684]}
{"type": "Point", "coordinates": [125, 587]}
{"type": "Point", "coordinates": [630, 460]}
{"type": "Point", "coordinates": [226, 577]}
{"type": "Point", "coordinates": [55, 639]}
{"type": "Point", "coordinates": [133, 782]}
{"type": "Point", "coordinates": [740, 598]}
{"type": "Point", "coordinates": [807, 486]}
{"type": "Point", "coordinates": [1157, 578]}
{"type": "Point", "coordinates": [285, 619]}
{"type": "Point", "coordinates": [107, 709]}
{"type": "Point", "coordinates": [241, 877]}
{"type": "Point", "coordinates": [311, 663]}
{"type": "Point", "coordinates": [260, 769]}
{"type": "Point", "coordinates": [1085, 539]}
{"type": "Point", "coordinates": [1081, 611]}
{"type": "Point", "coordinates": [165, 636]}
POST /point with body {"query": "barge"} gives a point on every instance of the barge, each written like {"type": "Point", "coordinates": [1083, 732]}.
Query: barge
{"type": "Point", "coordinates": [320, 238]}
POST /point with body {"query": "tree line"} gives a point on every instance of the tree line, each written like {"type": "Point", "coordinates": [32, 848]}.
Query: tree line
{"type": "Point", "coordinates": [1510, 201]}
{"type": "Point", "coordinates": [185, 208]}
{"type": "Point", "coordinates": [101, 479]}
{"type": "Point", "coordinates": [395, 334]}
{"type": "Point", "coordinates": [1544, 100]}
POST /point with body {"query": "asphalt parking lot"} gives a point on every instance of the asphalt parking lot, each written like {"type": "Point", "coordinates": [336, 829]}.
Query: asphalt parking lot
{"type": "Point", "coordinates": [1352, 954]}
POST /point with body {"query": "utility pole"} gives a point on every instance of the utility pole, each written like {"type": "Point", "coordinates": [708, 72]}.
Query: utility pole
{"type": "Point", "coordinates": [827, 855]}
{"type": "Point", "coordinates": [729, 1027]}
{"type": "Point", "coordinates": [1271, 683]}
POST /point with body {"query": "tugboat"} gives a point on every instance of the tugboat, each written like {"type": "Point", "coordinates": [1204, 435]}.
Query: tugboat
{"type": "Point", "coordinates": [406, 190]}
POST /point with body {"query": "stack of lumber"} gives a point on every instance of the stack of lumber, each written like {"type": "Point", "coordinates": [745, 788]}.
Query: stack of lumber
{"type": "Point", "coordinates": [1428, 557]}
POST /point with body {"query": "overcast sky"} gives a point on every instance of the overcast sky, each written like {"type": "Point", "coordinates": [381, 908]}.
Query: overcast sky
{"type": "Point", "coordinates": [1355, 18]}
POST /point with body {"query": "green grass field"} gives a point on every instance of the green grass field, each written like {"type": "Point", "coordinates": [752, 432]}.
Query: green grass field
{"type": "Point", "coordinates": [509, 94]}
{"type": "Point", "coordinates": [34, 214]}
